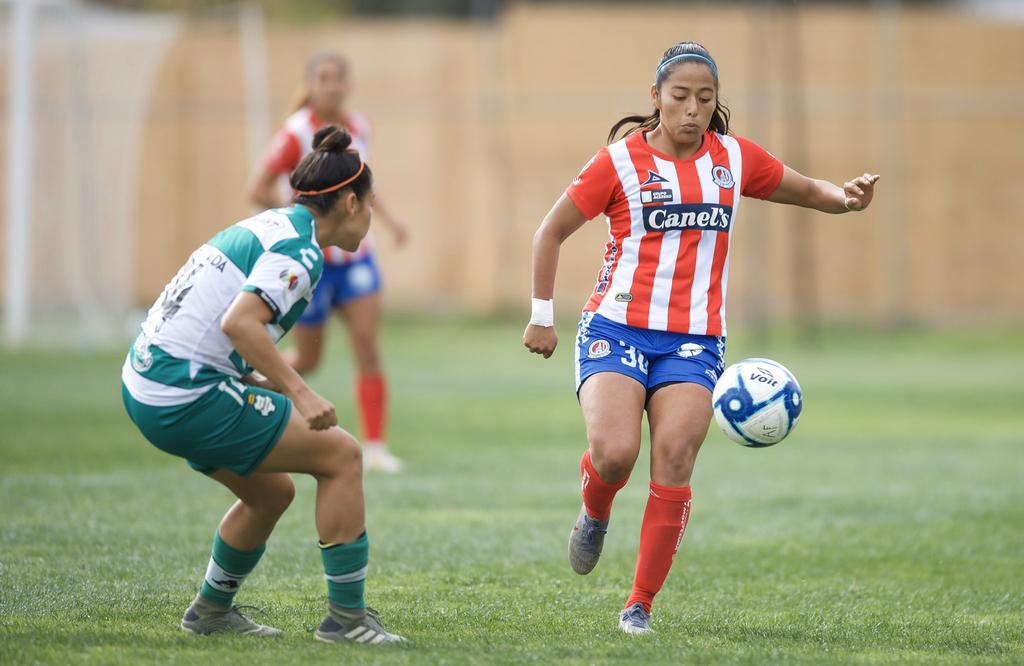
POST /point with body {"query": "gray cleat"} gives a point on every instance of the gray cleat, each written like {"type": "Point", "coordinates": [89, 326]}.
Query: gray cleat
{"type": "Point", "coordinates": [204, 617]}
{"type": "Point", "coordinates": [635, 620]}
{"type": "Point", "coordinates": [585, 542]}
{"type": "Point", "coordinates": [355, 625]}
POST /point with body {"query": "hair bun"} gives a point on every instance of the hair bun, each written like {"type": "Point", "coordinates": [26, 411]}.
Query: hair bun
{"type": "Point", "coordinates": [332, 139]}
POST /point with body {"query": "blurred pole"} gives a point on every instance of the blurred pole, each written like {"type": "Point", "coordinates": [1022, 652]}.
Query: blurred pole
{"type": "Point", "coordinates": [254, 67]}
{"type": "Point", "coordinates": [891, 210]}
{"type": "Point", "coordinates": [794, 139]}
{"type": "Point", "coordinates": [19, 170]}
{"type": "Point", "coordinates": [83, 233]}
{"type": "Point", "coordinates": [501, 239]}
{"type": "Point", "coordinates": [762, 104]}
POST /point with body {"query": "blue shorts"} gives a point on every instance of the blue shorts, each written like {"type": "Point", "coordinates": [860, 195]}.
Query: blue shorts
{"type": "Point", "coordinates": [653, 358]}
{"type": "Point", "coordinates": [339, 284]}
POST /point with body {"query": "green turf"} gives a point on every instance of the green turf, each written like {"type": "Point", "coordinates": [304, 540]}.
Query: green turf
{"type": "Point", "coordinates": [888, 529]}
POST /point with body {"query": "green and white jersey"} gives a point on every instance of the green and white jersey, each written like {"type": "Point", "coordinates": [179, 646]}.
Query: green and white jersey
{"type": "Point", "coordinates": [181, 352]}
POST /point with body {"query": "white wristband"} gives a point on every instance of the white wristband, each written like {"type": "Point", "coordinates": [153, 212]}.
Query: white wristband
{"type": "Point", "coordinates": [543, 313]}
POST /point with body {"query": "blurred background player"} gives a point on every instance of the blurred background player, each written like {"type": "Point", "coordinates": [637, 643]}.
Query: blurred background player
{"type": "Point", "coordinates": [351, 281]}
{"type": "Point", "coordinates": [652, 335]}
{"type": "Point", "coordinates": [186, 386]}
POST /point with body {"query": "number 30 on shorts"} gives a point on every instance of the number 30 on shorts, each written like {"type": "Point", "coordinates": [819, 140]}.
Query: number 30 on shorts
{"type": "Point", "coordinates": [632, 357]}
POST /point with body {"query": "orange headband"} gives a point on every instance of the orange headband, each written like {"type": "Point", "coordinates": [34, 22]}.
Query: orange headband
{"type": "Point", "coordinates": [332, 188]}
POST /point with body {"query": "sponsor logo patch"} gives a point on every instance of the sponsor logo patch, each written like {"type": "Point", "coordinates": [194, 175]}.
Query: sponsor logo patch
{"type": "Point", "coordinates": [722, 177]}
{"type": "Point", "coordinates": [653, 177]}
{"type": "Point", "coordinates": [623, 297]}
{"type": "Point", "coordinates": [689, 350]}
{"type": "Point", "coordinates": [289, 278]}
{"type": "Point", "coordinates": [599, 349]}
{"type": "Point", "coordinates": [652, 196]}
{"type": "Point", "coordinates": [703, 217]}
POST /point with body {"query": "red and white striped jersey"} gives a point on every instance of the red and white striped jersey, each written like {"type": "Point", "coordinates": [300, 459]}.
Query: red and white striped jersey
{"type": "Point", "coordinates": [295, 140]}
{"type": "Point", "coordinates": [666, 263]}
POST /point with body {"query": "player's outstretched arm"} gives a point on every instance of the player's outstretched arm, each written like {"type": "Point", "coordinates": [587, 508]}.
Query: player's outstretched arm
{"type": "Point", "coordinates": [263, 191]}
{"type": "Point", "coordinates": [244, 324]}
{"type": "Point", "coordinates": [562, 221]}
{"type": "Point", "coordinates": [799, 190]}
{"type": "Point", "coordinates": [398, 229]}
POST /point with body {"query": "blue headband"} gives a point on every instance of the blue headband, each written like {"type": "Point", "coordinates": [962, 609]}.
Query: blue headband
{"type": "Point", "coordinates": [709, 61]}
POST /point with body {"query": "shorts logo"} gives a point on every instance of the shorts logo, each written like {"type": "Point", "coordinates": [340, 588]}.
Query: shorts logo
{"type": "Point", "coordinates": [599, 349]}
{"type": "Point", "coordinates": [689, 350]}
{"type": "Point", "coordinates": [623, 297]}
{"type": "Point", "coordinates": [712, 375]}
{"type": "Point", "coordinates": [722, 177]}
{"type": "Point", "coordinates": [289, 278]}
{"type": "Point", "coordinates": [653, 177]}
{"type": "Point", "coordinates": [263, 404]}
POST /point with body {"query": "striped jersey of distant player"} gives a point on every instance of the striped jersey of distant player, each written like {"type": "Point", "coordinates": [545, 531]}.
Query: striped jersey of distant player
{"type": "Point", "coordinates": [181, 352]}
{"type": "Point", "coordinates": [295, 140]}
{"type": "Point", "coordinates": [666, 264]}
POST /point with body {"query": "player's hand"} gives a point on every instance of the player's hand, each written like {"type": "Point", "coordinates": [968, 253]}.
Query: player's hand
{"type": "Point", "coordinates": [319, 413]}
{"type": "Point", "coordinates": [860, 191]}
{"type": "Point", "coordinates": [540, 339]}
{"type": "Point", "coordinates": [400, 233]}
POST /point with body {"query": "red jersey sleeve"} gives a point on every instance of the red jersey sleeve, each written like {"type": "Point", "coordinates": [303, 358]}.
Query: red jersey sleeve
{"type": "Point", "coordinates": [284, 153]}
{"type": "Point", "coordinates": [593, 188]}
{"type": "Point", "coordinates": [762, 171]}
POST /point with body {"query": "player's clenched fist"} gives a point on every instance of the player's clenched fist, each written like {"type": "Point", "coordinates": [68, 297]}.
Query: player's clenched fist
{"type": "Point", "coordinates": [318, 412]}
{"type": "Point", "coordinates": [540, 339]}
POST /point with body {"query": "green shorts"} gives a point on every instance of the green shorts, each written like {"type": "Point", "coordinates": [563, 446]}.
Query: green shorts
{"type": "Point", "coordinates": [232, 426]}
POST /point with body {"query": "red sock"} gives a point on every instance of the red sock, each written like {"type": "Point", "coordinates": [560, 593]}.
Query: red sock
{"type": "Point", "coordinates": [371, 391]}
{"type": "Point", "coordinates": [597, 493]}
{"type": "Point", "coordinates": [668, 509]}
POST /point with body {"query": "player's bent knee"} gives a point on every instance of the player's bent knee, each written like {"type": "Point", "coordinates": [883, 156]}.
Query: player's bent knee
{"type": "Point", "coordinates": [613, 463]}
{"type": "Point", "coordinates": [283, 496]}
{"type": "Point", "coordinates": [346, 455]}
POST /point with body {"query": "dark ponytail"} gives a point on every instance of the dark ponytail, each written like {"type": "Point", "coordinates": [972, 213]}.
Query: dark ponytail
{"type": "Point", "coordinates": [332, 162]}
{"type": "Point", "coordinates": [719, 119]}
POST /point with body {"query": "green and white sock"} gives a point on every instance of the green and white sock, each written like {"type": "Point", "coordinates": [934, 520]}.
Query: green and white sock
{"type": "Point", "coordinates": [227, 571]}
{"type": "Point", "coordinates": [345, 568]}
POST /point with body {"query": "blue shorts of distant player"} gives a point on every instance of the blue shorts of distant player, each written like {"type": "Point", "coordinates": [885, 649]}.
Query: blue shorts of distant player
{"type": "Point", "coordinates": [653, 358]}
{"type": "Point", "coordinates": [339, 284]}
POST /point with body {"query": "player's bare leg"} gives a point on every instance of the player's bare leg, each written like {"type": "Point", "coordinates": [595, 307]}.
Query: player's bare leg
{"type": "Point", "coordinates": [307, 347]}
{"type": "Point", "coordinates": [612, 406]}
{"type": "Point", "coordinates": [334, 459]}
{"type": "Point", "coordinates": [362, 318]}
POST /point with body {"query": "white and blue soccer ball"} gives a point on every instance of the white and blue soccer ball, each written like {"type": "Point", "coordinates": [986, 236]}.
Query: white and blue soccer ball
{"type": "Point", "coordinates": [757, 402]}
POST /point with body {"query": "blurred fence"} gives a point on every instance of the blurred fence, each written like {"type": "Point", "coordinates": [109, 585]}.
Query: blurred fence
{"type": "Point", "coordinates": [479, 127]}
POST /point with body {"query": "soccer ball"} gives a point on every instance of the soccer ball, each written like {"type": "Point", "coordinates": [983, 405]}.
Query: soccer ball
{"type": "Point", "coordinates": [757, 402]}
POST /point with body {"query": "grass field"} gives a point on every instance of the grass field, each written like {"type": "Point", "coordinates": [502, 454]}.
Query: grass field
{"type": "Point", "coordinates": [888, 529]}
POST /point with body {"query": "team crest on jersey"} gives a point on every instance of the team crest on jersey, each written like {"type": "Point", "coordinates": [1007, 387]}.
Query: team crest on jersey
{"type": "Point", "coordinates": [653, 177]}
{"type": "Point", "coordinates": [289, 278]}
{"type": "Point", "coordinates": [689, 350]}
{"type": "Point", "coordinates": [599, 349]}
{"type": "Point", "coordinates": [722, 177]}
{"type": "Point", "coordinates": [142, 357]}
